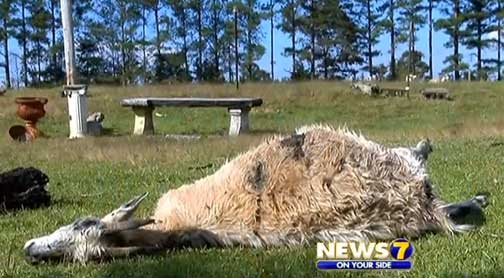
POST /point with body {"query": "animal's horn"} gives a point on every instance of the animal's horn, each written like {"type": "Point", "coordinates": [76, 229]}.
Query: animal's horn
{"type": "Point", "coordinates": [115, 227]}
{"type": "Point", "coordinates": [125, 211]}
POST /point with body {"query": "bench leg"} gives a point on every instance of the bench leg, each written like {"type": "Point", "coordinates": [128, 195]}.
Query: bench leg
{"type": "Point", "coordinates": [143, 121]}
{"type": "Point", "coordinates": [239, 121]}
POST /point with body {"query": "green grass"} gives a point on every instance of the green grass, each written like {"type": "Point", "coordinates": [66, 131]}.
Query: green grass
{"type": "Point", "coordinates": [93, 175]}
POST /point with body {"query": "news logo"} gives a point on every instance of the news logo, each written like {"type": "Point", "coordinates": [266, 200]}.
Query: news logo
{"type": "Point", "coordinates": [395, 255]}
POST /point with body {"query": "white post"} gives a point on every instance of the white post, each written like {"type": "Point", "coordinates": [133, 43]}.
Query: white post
{"type": "Point", "coordinates": [77, 110]}
{"type": "Point", "coordinates": [66, 18]}
{"type": "Point", "coordinates": [239, 122]}
{"type": "Point", "coordinates": [76, 95]}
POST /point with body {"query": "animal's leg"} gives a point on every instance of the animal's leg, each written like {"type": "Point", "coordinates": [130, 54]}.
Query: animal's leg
{"type": "Point", "coordinates": [125, 211]}
{"type": "Point", "coordinates": [199, 238]}
{"type": "Point", "coordinates": [469, 213]}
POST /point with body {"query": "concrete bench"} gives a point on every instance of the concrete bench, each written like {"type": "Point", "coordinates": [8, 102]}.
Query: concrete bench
{"type": "Point", "coordinates": [238, 108]}
{"type": "Point", "coordinates": [436, 93]}
{"type": "Point", "coordinates": [394, 92]}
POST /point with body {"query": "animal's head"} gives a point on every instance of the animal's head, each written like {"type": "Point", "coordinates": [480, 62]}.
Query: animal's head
{"type": "Point", "coordinates": [88, 238]}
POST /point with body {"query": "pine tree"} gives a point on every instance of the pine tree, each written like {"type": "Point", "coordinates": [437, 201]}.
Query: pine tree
{"type": "Point", "coordinates": [196, 10]}
{"type": "Point", "coordinates": [290, 25]}
{"type": "Point", "coordinates": [180, 9]}
{"type": "Point", "coordinates": [310, 11]}
{"type": "Point", "coordinates": [55, 70]}
{"type": "Point", "coordinates": [414, 60]}
{"type": "Point", "coordinates": [371, 28]}
{"type": "Point", "coordinates": [452, 26]}
{"type": "Point", "coordinates": [91, 61]}
{"type": "Point", "coordinates": [389, 24]}
{"type": "Point", "coordinates": [498, 16]}
{"type": "Point", "coordinates": [250, 37]}
{"type": "Point", "coordinates": [39, 24]}
{"type": "Point", "coordinates": [478, 15]}
{"type": "Point", "coordinates": [7, 11]}
{"type": "Point", "coordinates": [347, 47]}
{"type": "Point", "coordinates": [214, 33]}
{"type": "Point", "coordinates": [22, 36]}
{"type": "Point", "coordinates": [119, 23]}
{"type": "Point", "coordinates": [271, 11]}
{"type": "Point", "coordinates": [431, 7]}
{"type": "Point", "coordinates": [410, 20]}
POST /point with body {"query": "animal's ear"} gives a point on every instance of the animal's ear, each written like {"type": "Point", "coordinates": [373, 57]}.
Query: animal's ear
{"type": "Point", "coordinates": [125, 211]}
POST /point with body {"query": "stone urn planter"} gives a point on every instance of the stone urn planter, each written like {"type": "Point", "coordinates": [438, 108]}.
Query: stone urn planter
{"type": "Point", "coordinates": [30, 109]}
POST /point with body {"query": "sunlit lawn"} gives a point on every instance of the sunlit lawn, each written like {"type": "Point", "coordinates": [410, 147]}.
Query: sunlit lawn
{"type": "Point", "coordinates": [93, 175]}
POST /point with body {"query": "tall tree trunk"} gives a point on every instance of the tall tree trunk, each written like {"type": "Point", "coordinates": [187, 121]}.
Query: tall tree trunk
{"type": "Point", "coordinates": [200, 41]}
{"type": "Point", "coordinates": [369, 39]}
{"type": "Point", "coordinates": [326, 64]}
{"type": "Point", "coordinates": [53, 38]}
{"type": "Point", "coordinates": [237, 57]}
{"type": "Point", "coordinates": [410, 52]}
{"type": "Point", "coordinates": [413, 50]}
{"type": "Point", "coordinates": [272, 29]}
{"type": "Point", "coordinates": [6, 54]}
{"type": "Point", "coordinates": [249, 55]}
{"type": "Point", "coordinates": [184, 34]}
{"type": "Point", "coordinates": [293, 37]}
{"type": "Point", "coordinates": [39, 66]}
{"type": "Point", "coordinates": [456, 57]}
{"type": "Point", "coordinates": [499, 43]}
{"type": "Point", "coordinates": [123, 52]}
{"type": "Point", "coordinates": [312, 41]}
{"type": "Point", "coordinates": [249, 42]}
{"type": "Point", "coordinates": [230, 63]}
{"type": "Point", "coordinates": [430, 39]}
{"type": "Point", "coordinates": [144, 54]}
{"type": "Point", "coordinates": [393, 74]}
{"type": "Point", "coordinates": [478, 54]}
{"type": "Point", "coordinates": [215, 15]}
{"type": "Point", "coordinates": [158, 38]}
{"type": "Point", "coordinates": [24, 43]}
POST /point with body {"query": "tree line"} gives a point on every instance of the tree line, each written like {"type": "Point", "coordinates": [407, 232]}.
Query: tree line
{"type": "Point", "coordinates": [146, 41]}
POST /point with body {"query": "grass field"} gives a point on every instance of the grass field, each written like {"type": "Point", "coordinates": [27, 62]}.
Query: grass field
{"type": "Point", "coordinates": [93, 175]}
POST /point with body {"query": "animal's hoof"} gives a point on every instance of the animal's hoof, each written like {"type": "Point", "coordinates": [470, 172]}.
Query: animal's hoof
{"type": "Point", "coordinates": [425, 146]}
{"type": "Point", "coordinates": [481, 200]}
{"type": "Point", "coordinates": [423, 149]}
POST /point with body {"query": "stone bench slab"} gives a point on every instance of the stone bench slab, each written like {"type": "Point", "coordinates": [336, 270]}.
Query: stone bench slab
{"type": "Point", "coordinates": [238, 109]}
{"type": "Point", "coordinates": [433, 93]}
{"type": "Point", "coordinates": [194, 102]}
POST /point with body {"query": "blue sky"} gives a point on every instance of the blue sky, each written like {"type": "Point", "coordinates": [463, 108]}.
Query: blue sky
{"type": "Point", "coordinates": [283, 64]}
{"type": "Point", "coordinates": [440, 52]}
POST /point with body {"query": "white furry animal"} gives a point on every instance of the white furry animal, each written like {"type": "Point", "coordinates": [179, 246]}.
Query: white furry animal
{"type": "Point", "coordinates": [410, 78]}
{"type": "Point", "coordinates": [444, 78]}
{"type": "Point", "coordinates": [319, 184]}
{"type": "Point", "coordinates": [367, 89]}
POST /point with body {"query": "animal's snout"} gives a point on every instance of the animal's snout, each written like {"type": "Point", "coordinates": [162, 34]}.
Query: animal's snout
{"type": "Point", "coordinates": [30, 258]}
{"type": "Point", "coordinates": [28, 246]}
